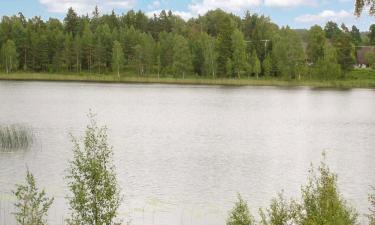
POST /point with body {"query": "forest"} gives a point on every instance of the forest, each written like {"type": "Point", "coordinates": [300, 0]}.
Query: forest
{"type": "Point", "coordinates": [215, 45]}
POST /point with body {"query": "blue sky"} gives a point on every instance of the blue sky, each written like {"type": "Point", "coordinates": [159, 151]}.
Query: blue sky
{"type": "Point", "coordinates": [296, 13]}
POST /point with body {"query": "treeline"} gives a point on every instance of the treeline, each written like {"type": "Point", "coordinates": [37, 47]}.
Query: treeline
{"type": "Point", "coordinates": [217, 45]}
{"type": "Point", "coordinates": [95, 193]}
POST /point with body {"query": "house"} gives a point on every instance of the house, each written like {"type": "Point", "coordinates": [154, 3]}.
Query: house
{"type": "Point", "coordinates": [361, 55]}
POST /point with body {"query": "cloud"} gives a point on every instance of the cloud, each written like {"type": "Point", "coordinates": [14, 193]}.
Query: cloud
{"type": "Point", "coordinates": [183, 14]}
{"type": "Point", "coordinates": [289, 3]}
{"type": "Point", "coordinates": [326, 15]}
{"type": "Point", "coordinates": [86, 6]}
{"type": "Point", "coordinates": [235, 6]}
{"type": "Point", "coordinates": [201, 7]}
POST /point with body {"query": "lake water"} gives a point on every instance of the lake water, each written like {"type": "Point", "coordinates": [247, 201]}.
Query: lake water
{"type": "Point", "coordinates": [184, 152]}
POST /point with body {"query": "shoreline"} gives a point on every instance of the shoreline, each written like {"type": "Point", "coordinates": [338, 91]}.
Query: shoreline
{"type": "Point", "coordinates": [95, 78]}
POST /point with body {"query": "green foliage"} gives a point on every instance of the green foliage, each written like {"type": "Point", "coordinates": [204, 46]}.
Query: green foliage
{"type": "Point", "coordinates": [118, 58]}
{"type": "Point", "coordinates": [361, 4]}
{"type": "Point", "coordinates": [257, 67]}
{"type": "Point", "coordinates": [288, 53]}
{"type": "Point", "coordinates": [315, 44]}
{"type": "Point", "coordinates": [345, 51]}
{"type": "Point", "coordinates": [85, 43]}
{"type": "Point", "coordinates": [356, 36]}
{"type": "Point", "coordinates": [240, 214]}
{"type": "Point", "coordinates": [322, 203]}
{"type": "Point", "coordinates": [327, 67]}
{"type": "Point", "coordinates": [9, 56]}
{"type": "Point", "coordinates": [267, 66]}
{"type": "Point", "coordinates": [32, 205]}
{"type": "Point", "coordinates": [224, 44]}
{"type": "Point", "coordinates": [92, 180]}
{"type": "Point", "coordinates": [239, 52]}
{"type": "Point", "coordinates": [332, 30]}
{"type": "Point", "coordinates": [370, 58]}
{"type": "Point", "coordinates": [181, 56]}
{"type": "Point", "coordinates": [371, 199]}
{"type": "Point", "coordinates": [371, 35]}
{"type": "Point", "coordinates": [279, 213]}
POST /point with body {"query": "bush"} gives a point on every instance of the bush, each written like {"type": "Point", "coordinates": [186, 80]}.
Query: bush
{"type": "Point", "coordinates": [240, 214]}
{"type": "Point", "coordinates": [32, 205]}
{"type": "Point", "coordinates": [322, 203]}
{"type": "Point", "coordinates": [92, 179]}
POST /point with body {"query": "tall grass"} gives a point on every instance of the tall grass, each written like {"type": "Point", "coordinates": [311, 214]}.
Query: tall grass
{"type": "Point", "coordinates": [15, 137]}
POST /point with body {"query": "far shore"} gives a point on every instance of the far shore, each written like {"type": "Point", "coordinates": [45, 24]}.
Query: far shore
{"type": "Point", "coordinates": [355, 79]}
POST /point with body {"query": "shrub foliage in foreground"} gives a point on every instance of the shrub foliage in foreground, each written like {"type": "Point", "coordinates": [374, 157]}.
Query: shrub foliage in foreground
{"type": "Point", "coordinates": [32, 205]}
{"type": "Point", "coordinates": [92, 179]}
{"type": "Point", "coordinates": [322, 204]}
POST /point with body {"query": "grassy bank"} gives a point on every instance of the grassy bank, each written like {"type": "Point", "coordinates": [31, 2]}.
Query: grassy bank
{"type": "Point", "coordinates": [361, 78]}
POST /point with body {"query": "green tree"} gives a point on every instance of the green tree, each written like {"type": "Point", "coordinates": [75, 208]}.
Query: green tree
{"type": "Point", "coordinates": [288, 54]}
{"type": "Point", "coordinates": [182, 62]}
{"type": "Point", "coordinates": [240, 214]}
{"type": "Point", "coordinates": [327, 68]}
{"type": "Point", "coordinates": [257, 67]}
{"type": "Point", "coordinates": [68, 53]}
{"type": "Point", "coordinates": [356, 35]}
{"type": "Point", "coordinates": [279, 213]}
{"type": "Point", "coordinates": [370, 58]}
{"type": "Point", "coordinates": [315, 43]}
{"type": "Point", "coordinates": [87, 47]}
{"type": "Point", "coordinates": [371, 34]}
{"type": "Point", "coordinates": [322, 203]}
{"type": "Point", "coordinates": [267, 66]}
{"type": "Point", "coordinates": [144, 53]}
{"type": "Point", "coordinates": [31, 205]}
{"type": "Point", "coordinates": [118, 58]}
{"type": "Point", "coordinates": [71, 22]}
{"type": "Point", "coordinates": [92, 180]}
{"type": "Point", "coordinates": [239, 52]}
{"type": "Point", "coordinates": [361, 4]}
{"type": "Point", "coordinates": [332, 30]}
{"type": "Point", "coordinates": [209, 55]}
{"type": "Point", "coordinates": [345, 51]}
{"type": "Point", "coordinates": [224, 43]}
{"type": "Point", "coordinates": [9, 56]}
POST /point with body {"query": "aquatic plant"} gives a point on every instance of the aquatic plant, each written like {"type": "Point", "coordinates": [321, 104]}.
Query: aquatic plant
{"type": "Point", "coordinates": [15, 137]}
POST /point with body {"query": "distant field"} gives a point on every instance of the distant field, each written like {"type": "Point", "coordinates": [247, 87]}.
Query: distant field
{"type": "Point", "coordinates": [359, 78]}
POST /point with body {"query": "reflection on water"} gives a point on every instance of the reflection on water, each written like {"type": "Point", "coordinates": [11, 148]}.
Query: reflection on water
{"type": "Point", "coordinates": [183, 152]}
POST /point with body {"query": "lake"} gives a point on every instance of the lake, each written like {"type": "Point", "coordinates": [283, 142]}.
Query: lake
{"type": "Point", "coordinates": [182, 153]}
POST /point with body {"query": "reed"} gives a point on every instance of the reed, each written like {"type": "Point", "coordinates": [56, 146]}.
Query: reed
{"type": "Point", "coordinates": [15, 137]}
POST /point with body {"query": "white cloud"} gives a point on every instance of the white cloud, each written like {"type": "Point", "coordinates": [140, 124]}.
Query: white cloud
{"type": "Point", "coordinates": [184, 15]}
{"type": "Point", "coordinates": [86, 6]}
{"type": "Point", "coordinates": [201, 7]}
{"type": "Point", "coordinates": [326, 15]}
{"type": "Point", "coordinates": [289, 3]}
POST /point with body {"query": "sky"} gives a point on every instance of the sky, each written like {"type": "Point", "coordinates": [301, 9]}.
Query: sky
{"type": "Point", "coordinates": [295, 13]}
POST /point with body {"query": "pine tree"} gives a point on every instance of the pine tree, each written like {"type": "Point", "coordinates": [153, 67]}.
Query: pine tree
{"type": "Point", "coordinates": [87, 47]}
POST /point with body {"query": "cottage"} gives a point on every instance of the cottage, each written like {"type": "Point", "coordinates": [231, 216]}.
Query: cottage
{"type": "Point", "coordinates": [361, 55]}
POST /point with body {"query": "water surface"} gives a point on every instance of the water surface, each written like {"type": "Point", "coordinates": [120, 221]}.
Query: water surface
{"type": "Point", "coordinates": [184, 152]}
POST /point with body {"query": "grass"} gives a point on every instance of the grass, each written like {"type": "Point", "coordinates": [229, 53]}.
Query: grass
{"type": "Point", "coordinates": [359, 78]}
{"type": "Point", "coordinates": [15, 137]}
